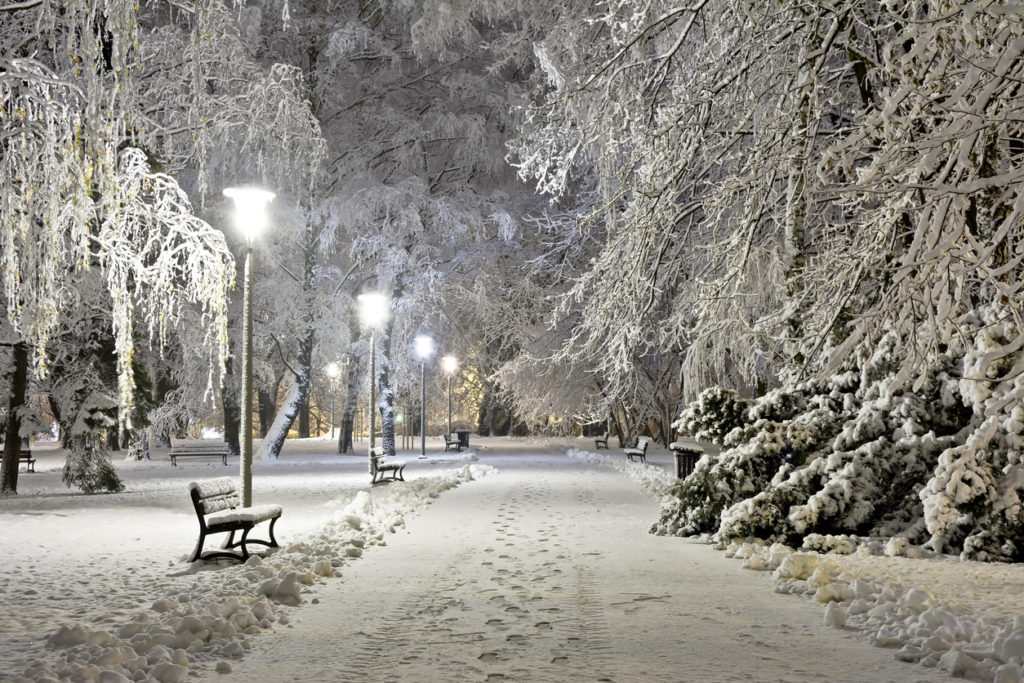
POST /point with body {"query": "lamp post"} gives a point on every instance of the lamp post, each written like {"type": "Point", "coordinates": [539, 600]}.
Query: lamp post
{"type": "Point", "coordinates": [373, 310]}
{"type": "Point", "coordinates": [332, 372]}
{"type": "Point", "coordinates": [449, 364]}
{"type": "Point", "coordinates": [251, 219]}
{"type": "Point", "coordinates": [424, 349]}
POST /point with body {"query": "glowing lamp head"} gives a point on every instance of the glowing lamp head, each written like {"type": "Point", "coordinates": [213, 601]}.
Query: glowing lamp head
{"type": "Point", "coordinates": [333, 370]}
{"type": "Point", "coordinates": [250, 209]}
{"type": "Point", "coordinates": [373, 308]}
{"type": "Point", "coordinates": [424, 347]}
{"type": "Point", "coordinates": [449, 363]}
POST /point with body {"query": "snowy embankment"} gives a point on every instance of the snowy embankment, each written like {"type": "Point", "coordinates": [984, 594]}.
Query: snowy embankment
{"type": "Point", "coordinates": [212, 621]}
{"type": "Point", "coordinates": [966, 619]}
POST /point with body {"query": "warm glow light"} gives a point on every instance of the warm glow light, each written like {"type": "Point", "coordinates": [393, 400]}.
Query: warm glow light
{"type": "Point", "coordinates": [373, 308]}
{"type": "Point", "coordinates": [250, 209]}
{"type": "Point", "coordinates": [449, 363]}
{"type": "Point", "coordinates": [424, 346]}
{"type": "Point", "coordinates": [333, 371]}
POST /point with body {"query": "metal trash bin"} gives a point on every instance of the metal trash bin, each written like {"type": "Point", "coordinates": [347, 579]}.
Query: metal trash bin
{"type": "Point", "coordinates": [463, 437]}
{"type": "Point", "coordinates": [686, 456]}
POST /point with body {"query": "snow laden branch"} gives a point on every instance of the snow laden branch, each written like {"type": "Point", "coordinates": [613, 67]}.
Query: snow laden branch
{"type": "Point", "coordinates": [157, 254]}
{"type": "Point", "coordinates": [790, 184]}
{"type": "Point", "coordinates": [934, 174]}
{"type": "Point", "coordinates": [215, 109]}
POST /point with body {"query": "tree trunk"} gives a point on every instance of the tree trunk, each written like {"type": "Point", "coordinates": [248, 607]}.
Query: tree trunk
{"type": "Point", "coordinates": [268, 406]}
{"type": "Point", "coordinates": [113, 439]}
{"type": "Point", "coordinates": [55, 409]}
{"type": "Point", "coordinates": [231, 408]}
{"type": "Point", "coordinates": [386, 405]}
{"type": "Point", "coordinates": [12, 439]}
{"type": "Point", "coordinates": [278, 432]}
{"type": "Point", "coordinates": [304, 419]}
{"type": "Point", "coordinates": [349, 406]}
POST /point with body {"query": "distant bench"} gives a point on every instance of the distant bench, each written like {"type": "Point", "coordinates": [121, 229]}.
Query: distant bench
{"type": "Point", "coordinates": [216, 504]}
{"type": "Point", "coordinates": [639, 451]}
{"type": "Point", "coordinates": [384, 470]}
{"type": "Point", "coordinates": [24, 455]}
{"type": "Point", "coordinates": [209, 449]}
{"type": "Point", "coordinates": [452, 441]}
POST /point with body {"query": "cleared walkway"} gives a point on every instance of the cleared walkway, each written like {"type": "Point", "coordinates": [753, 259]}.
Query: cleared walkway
{"type": "Point", "coordinates": [545, 572]}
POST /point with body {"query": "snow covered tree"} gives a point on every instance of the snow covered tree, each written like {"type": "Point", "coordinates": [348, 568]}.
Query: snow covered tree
{"type": "Point", "coordinates": [415, 172]}
{"type": "Point", "coordinates": [86, 87]}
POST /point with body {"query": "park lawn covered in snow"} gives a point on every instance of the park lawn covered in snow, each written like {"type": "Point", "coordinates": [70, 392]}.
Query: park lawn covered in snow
{"type": "Point", "coordinates": [100, 583]}
{"type": "Point", "coordinates": [98, 587]}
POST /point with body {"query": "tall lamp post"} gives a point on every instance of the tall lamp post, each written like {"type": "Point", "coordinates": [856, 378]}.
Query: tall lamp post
{"type": "Point", "coordinates": [333, 371]}
{"type": "Point", "coordinates": [449, 364]}
{"type": "Point", "coordinates": [424, 349]}
{"type": "Point", "coordinates": [373, 310]}
{"type": "Point", "coordinates": [251, 219]}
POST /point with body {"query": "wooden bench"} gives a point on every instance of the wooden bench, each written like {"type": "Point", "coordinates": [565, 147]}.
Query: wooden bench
{"type": "Point", "coordinates": [601, 441]}
{"type": "Point", "coordinates": [638, 451]}
{"type": "Point", "coordinates": [686, 456]}
{"type": "Point", "coordinates": [452, 441]}
{"type": "Point", "coordinates": [209, 449]}
{"type": "Point", "coordinates": [24, 455]}
{"type": "Point", "coordinates": [384, 470]}
{"type": "Point", "coordinates": [216, 504]}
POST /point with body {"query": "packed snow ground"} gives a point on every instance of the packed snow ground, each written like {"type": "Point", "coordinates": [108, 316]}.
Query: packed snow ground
{"type": "Point", "coordinates": [536, 567]}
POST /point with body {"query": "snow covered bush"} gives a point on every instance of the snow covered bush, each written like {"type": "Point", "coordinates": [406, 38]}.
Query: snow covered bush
{"type": "Point", "coordinates": [934, 459]}
{"type": "Point", "coordinates": [972, 499]}
{"type": "Point", "coordinates": [715, 413]}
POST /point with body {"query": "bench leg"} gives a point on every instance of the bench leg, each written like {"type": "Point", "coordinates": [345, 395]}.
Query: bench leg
{"type": "Point", "coordinates": [225, 549]}
{"type": "Point", "coordinates": [198, 552]}
{"type": "Point", "coordinates": [270, 543]}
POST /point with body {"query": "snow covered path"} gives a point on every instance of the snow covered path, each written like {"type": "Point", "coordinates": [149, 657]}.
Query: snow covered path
{"type": "Point", "coordinates": [545, 572]}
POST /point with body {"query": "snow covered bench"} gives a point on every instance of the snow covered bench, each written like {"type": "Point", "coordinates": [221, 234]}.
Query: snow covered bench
{"type": "Point", "coordinates": [211, 448]}
{"type": "Point", "coordinates": [24, 455]}
{"type": "Point", "coordinates": [452, 441]}
{"type": "Point", "coordinates": [638, 451]}
{"type": "Point", "coordinates": [686, 456]}
{"type": "Point", "coordinates": [601, 441]}
{"type": "Point", "coordinates": [216, 503]}
{"type": "Point", "coordinates": [380, 468]}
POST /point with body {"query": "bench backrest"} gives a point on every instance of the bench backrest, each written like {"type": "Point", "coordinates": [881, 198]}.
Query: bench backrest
{"type": "Point", "coordinates": [642, 442]}
{"type": "Point", "coordinates": [214, 495]}
{"type": "Point", "coordinates": [376, 454]}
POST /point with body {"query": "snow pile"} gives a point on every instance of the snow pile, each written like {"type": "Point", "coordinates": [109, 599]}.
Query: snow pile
{"type": "Point", "coordinates": [911, 620]}
{"type": "Point", "coordinates": [227, 604]}
{"type": "Point", "coordinates": [654, 481]}
{"type": "Point", "coordinates": [937, 459]}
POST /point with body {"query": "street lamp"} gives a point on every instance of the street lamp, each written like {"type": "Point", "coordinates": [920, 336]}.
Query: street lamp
{"type": "Point", "coordinates": [424, 349]}
{"type": "Point", "coordinates": [333, 371]}
{"type": "Point", "coordinates": [251, 219]}
{"type": "Point", "coordinates": [449, 364]}
{"type": "Point", "coordinates": [373, 310]}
